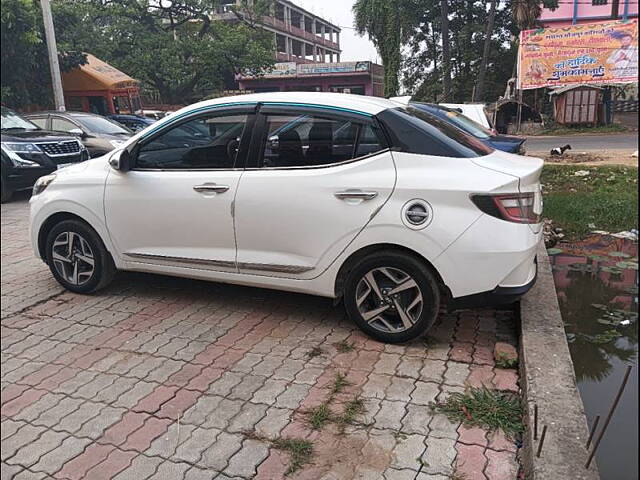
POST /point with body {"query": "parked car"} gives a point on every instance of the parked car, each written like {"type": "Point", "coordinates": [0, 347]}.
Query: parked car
{"type": "Point", "coordinates": [29, 152]}
{"type": "Point", "coordinates": [98, 134]}
{"type": "Point", "coordinates": [475, 111]}
{"type": "Point", "coordinates": [132, 122]}
{"type": "Point", "coordinates": [422, 213]}
{"type": "Point", "coordinates": [506, 143]}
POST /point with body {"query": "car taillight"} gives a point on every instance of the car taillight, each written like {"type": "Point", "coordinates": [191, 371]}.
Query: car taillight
{"type": "Point", "coordinates": [512, 207]}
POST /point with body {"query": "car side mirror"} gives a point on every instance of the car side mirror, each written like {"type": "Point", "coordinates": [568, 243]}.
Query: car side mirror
{"type": "Point", "coordinates": [77, 131]}
{"type": "Point", "coordinates": [121, 160]}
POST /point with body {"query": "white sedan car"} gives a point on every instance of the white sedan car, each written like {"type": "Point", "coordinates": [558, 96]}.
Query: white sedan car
{"type": "Point", "coordinates": [349, 197]}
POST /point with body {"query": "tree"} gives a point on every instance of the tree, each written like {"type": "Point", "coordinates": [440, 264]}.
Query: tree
{"type": "Point", "coordinates": [446, 51]}
{"type": "Point", "coordinates": [479, 90]}
{"type": "Point", "coordinates": [424, 62]}
{"type": "Point", "coordinates": [174, 47]}
{"type": "Point", "coordinates": [25, 65]}
{"type": "Point", "coordinates": [387, 23]}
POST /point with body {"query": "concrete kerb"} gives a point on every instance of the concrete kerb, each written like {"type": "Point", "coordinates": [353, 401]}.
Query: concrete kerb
{"type": "Point", "coordinates": [547, 379]}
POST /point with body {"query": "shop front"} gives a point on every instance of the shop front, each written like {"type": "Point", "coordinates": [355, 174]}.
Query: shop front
{"type": "Point", "coordinates": [360, 78]}
{"type": "Point", "coordinates": [99, 88]}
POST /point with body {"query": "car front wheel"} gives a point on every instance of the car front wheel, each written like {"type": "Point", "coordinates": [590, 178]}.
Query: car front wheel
{"type": "Point", "coordinates": [77, 257]}
{"type": "Point", "coordinates": [392, 296]}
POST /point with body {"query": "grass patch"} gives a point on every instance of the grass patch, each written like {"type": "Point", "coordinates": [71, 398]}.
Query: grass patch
{"type": "Point", "coordinates": [488, 409]}
{"type": "Point", "coordinates": [301, 452]}
{"type": "Point", "coordinates": [352, 409]}
{"type": "Point", "coordinates": [563, 130]}
{"type": "Point", "coordinates": [606, 198]}
{"type": "Point", "coordinates": [504, 361]}
{"type": "Point", "coordinates": [339, 382]}
{"type": "Point", "coordinates": [315, 352]}
{"type": "Point", "coordinates": [344, 347]}
{"type": "Point", "coordinates": [319, 416]}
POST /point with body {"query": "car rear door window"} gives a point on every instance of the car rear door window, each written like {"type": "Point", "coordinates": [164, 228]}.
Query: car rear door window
{"type": "Point", "coordinates": [59, 124]}
{"type": "Point", "coordinates": [311, 140]}
{"type": "Point", "coordinates": [39, 121]}
{"type": "Point", "coordinates": [207, 142]}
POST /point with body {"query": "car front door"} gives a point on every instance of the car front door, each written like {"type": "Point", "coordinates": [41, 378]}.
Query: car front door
{"type": "Point", "coordinates": [314, 180]}
{"type": "Point", "coordinates": [174, 207]}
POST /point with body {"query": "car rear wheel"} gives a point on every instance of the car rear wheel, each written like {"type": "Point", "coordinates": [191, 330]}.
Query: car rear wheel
{"type": "Point", "coordinates": [77, 257]}
{"type": "Point", "coordinates": [392, 296]}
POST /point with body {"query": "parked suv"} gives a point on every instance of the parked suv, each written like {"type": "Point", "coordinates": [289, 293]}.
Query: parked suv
{"type": "Point", "coordinates": [349, 197]}
{"type": "Point", "coordinates": [99, 134]}
{"type": "Point", "coordinates": [29, 152]}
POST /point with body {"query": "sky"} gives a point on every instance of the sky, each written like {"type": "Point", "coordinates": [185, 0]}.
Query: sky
{"type": "Point", "coordinates": [338, 12]}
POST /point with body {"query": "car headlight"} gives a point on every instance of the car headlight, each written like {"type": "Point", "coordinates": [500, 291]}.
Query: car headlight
{"type": "Point", "coordinates": [12, 149]}
{"type": "Point", "coordinates": [42, 183]}
{"type": "Point", "coordinates": [116, 143]}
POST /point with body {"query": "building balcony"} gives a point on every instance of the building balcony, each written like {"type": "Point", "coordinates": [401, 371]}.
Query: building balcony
{"type": "Point", "coordinates": [293, 31]}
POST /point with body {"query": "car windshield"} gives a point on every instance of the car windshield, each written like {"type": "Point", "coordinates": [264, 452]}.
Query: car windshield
{"type": "Point", "coordinates": [101, 125]}
{"type": "Point", "coordinates": [468, 125]}
{"type": "Point", "coordinates": [12, 121]}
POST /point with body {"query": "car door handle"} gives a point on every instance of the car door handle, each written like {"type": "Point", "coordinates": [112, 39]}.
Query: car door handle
{"type": "Point", "coordinates": [355, 195]}
{"type": "Point", "coordinates": [211, 187]}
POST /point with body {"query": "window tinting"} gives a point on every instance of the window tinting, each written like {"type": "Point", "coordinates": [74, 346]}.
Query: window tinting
{"type": "Point", "coordinates": [61, 125]}
{"type": "Point", "coordinates": [313, 140]}
{"type": "Point", "coordinates": [205, 142]}
{"type": "Point", "coordinates": [415, 131]}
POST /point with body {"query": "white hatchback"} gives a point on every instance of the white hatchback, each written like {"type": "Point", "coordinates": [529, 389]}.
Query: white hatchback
{"type": "Point", "coordinates": [355, 198]}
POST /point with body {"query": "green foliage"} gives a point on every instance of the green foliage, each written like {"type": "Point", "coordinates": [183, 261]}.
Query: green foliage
{"type": "Point", "coordinates": [344, 347]}
{"type": "Point", "coordinates": [607, 197]}
{"type": "Point", "coordinates": [25, 65]}
{"type": "Point", "coordinates": [467, 27]}
{"type": "Point", "coordinates": [484, 408]}
{"type": "Point", "coordinates": [388, 24]}
{"type": "Point", "coordinates": [319, 416]}
{"type": "Point", "coordinates": [176, 49]}
{"type": "Point", "coordinates": [504, 361]}
{"type": "Point", "coordinates": [300, 450]}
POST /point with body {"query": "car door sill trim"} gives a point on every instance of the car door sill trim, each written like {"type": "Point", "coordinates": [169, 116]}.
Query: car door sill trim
{"type": "Point", "coordinates": [190, 261]}
{"type": "Point", "coordinates": [269, 267]}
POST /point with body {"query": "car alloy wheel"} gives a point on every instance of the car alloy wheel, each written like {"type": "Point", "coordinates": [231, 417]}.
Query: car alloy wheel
{"type": "Point", "coordinates": [73, 258]}
{"type": "Point", "coordinates": [389, 299]}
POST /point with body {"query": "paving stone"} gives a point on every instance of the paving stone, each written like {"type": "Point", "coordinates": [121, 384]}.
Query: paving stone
{"type": "Point", "coordinates": [439, 457]}
{"type": "Point", "coordinates": [165, 445]}
{"type": "Point", "coordinates": [274, 421]}
{"type": "Point", "coordinates": [417, 419]}
{"type": "Point", "coordinates": [456, 373]}
{"type": "Point", "coordinates": [245, 462]}
{"type": "Point", "coordinates": [400, 389]}
{"type": "Point", "coordinates": [292, 396]}
{"type": "Point", "coordinates": [53, 461]}
{"type": "Point", "coordinates": [31, 453]}
{"type": "Point", "coordinates": [25, 435]}
{"type": "Point", "coordinates": [33, 411]}
{"type": "Point", "coordinates": [196, 473]}
{"type": "Point", "coordinates": [247, 387]}
{"type": "Point", "coordinates": [248, 418]}
{"type": "Point", "coordinates": [470, 462]}
{"type": "Point", "coordinates": [390, 415]}
{"type": "Point", "coordinates": [198, 440]}
{"type": "Point", "coordinates": [269, 391]}
{"type": "Point", "coordinates": [394, 474]}
{"type": "Point", "coordinates": [424, 393]}
{"type": "Point", "coordinates": [500, 465]}
{"type": "Point", "coordinates": [95, 427]}
{"type": "Point", "coordinates": [224, 412]}
{"type": "Point", "coordinates": [7, 472]}
{"type": "Point", "coordinates": [203, 408]}
{"type": "Point", "coordinates": [141, 468]}
{"type": "Point", "coordinates": [441, 427]}
{"type": "Point", "coordinates": [376, 385]}
{"type": "Point", "coordinates": [217, 456]}
{"type": "Point", "coordinates": [75, 420]}
{"type": "Point", "coordinates": [407, 452]}
{"type": "Point", "coordinates": [171, 470]}
{"type": "Point", "coordinates": [225, 384]}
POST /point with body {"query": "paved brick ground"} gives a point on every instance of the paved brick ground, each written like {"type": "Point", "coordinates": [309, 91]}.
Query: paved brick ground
{"type": "Point", "coordinates": [165, 378]}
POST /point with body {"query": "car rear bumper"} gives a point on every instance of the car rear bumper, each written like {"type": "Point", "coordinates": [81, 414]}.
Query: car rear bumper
{"type": "Point", "coordinates": [498, 296]}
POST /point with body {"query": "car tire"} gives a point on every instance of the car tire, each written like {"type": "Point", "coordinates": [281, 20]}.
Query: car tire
{"type": "Point", "coordinates": [5, 192]}
{"type": "Point", "coordinates": [77, 257]}
{"type": "Point", "coordinates": [392, 296]}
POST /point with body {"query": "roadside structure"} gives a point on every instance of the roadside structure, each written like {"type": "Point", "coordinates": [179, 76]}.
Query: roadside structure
{"type": "Point", "coordinates": [576, 12]}
{"type": "Point", "coordinates": [307, 54]}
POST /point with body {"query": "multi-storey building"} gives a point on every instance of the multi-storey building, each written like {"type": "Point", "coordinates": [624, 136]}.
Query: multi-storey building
{"type": "Point", "coordinates": [300, 36]}
{"type": "Point", "coordinates": [571, 12]}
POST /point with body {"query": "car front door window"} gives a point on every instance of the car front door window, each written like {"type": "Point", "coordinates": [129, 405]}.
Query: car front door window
{"type": "Point", "coordinates": [209, 142]}
{"type": "Point", "coordinates": [62, 125]}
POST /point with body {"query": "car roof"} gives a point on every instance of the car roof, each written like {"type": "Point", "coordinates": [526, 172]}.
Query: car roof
{"type": "Point", "coordinates": [359, 103]}
{"type": "Point", "coordinates": [66, 112]}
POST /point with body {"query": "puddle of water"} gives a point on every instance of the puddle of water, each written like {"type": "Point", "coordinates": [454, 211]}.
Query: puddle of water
{"type": "Point", "coordinates": [597, 285]}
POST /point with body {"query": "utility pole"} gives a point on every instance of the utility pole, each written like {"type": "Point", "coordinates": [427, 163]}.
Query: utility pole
{"type": "Point", "coordinates": [52, 49]}
{"type": "Point", "coordinates": [446, 53]}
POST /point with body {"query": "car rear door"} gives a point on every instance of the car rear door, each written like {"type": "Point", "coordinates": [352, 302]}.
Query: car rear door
{"type": "Point", "coordinates": [315, 179]}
